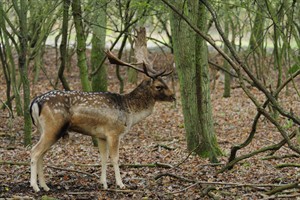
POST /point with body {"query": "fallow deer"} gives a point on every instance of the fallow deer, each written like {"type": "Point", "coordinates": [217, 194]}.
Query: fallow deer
{"type": "Point", "coordinates": [106, 116]}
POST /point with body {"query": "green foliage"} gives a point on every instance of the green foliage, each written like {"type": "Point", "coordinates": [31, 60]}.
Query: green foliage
{"type": "Point", "coordinates": [294, 69]}
{"type": "Point", "coordinates": [288, 124]}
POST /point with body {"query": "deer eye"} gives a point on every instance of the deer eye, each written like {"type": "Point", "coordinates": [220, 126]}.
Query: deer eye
{"type": "Point", "coordinates": [159, 88]}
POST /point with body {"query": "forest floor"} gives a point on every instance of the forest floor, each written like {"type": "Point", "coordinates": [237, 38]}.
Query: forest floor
{"type": "Point", "coordinates": [155, 163]}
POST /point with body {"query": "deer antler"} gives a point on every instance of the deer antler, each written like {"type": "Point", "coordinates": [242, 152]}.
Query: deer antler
{"type": "Point", "coordinates": [141, 55]}
{"type": "Point", "coordinates": [114, 60]}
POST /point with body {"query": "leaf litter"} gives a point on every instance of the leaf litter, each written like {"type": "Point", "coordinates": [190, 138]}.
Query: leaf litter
{"type": "Point", "coordinates": [72, 166]}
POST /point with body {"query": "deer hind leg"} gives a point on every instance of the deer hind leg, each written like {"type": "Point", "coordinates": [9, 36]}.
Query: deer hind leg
{"type": "Point", "coordinates": [41, 173]}
{"type": "Point", "coordinates": [102, 144]}
{"type": "Point", "coordinates": [47, 139]}
{"type": "Point", "coordinates": [113, 144]}
{"type": "Point", "coordinates": [36, 165]}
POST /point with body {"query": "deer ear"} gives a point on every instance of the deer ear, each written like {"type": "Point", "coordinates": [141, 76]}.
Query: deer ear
{"type": "Point", "coordinates": [147, 81]}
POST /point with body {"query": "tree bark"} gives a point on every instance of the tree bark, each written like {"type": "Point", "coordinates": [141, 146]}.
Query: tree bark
{"type": "Point", "coordinates": [23, 39]}
{"type": "Point", "coordinates": [99, 79]}
{"type": "Point", "coordinates": [63, 45]}
{"type": "Point", "coordinates": [227, 77]}
{"type": "Point", "coordinates": [81, 46]}
{"type": "Point", "coordinates": [192, 66]}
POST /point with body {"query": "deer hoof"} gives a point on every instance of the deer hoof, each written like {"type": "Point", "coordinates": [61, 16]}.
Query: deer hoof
{"type": "Point", "coordinates": [121, 185]}
{"type": "Point", "coordinates": [35, 188]}
{"type": "Point", "coordinates": [45, 187]}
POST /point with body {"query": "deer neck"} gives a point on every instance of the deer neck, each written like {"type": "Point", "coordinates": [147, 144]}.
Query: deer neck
{"type": "Point", "coordinates": [140, 104]}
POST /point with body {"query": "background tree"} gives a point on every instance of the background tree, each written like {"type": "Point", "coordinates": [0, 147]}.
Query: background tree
{"type": "Point", "coordinates": [81, 45]}
{"type": "Point", "coordinates": [23, 66]}
{"type": "Point", "coordinates": [227, 77]}
{"type": "Point", "coordinates": [99, 79]}
{"type": "Point", "coordinates": [192, 66]}
{"type": "Point", "coordinates": [63, 45]}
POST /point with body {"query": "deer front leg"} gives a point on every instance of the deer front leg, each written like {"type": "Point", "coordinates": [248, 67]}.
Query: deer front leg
{"type": "Point", "coordinates": [102, 144]}
{"type": "Point", "coordinates": [113, 143]}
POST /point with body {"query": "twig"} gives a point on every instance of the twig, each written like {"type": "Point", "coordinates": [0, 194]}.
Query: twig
{"type": "Point", "coordinates": [109, 190]}
{"type": "Point", "coordinates": [164, 146]}
{"type": "Point", "coordinates": [123, 191]}
{"type": "Point", "coordinates": [261, 150]}
{"type": "Point", "coordinates": [280, 157]}
{"type": "Point", "coordinates": [184, 189]}
{"type": "Point", "coordinates": [190, 153]}
{"type": "Point", "coordinates": [3, 162]}
{"type": "Point", "coordinates": [287, 165]}
{"type": "Point", "coordinates": [283, 187]}
{"type": "Point", "coordinates": [284, 196]}
{"type": "Point", "coordinates": [150, 165]}
{"type": "Point", "coordinates": [157, 164]}
{"type": "Point", "coordinates": [217, 183]}
{"type": "Point", "coordinates": [211, 164]}
{"type": "Point", "coordinates": [73, 170]}
{"type": "Point", "coordinates": [174, 176]}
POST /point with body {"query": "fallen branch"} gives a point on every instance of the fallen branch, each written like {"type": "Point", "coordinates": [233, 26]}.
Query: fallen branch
{"type": "Point", "coordinates": [216, 183]}
{"type": "Point", "coordinates": [109, 190]}
{"type": "Point", "coordinates": [280, 157]}
{"type": "Point", "coordinates": [184, 189]}
{"type": "Point", "coordinates": [283, 196]}
{"type": "Point", "coordinates": [174, 176]}
{"type": "Point", "coordinates": [3, 162]}
{"type": "Point", "coordinates": [73, 170]}
{"type": "Point", "coordinates": [164, 146]}
{"type": "Point", "coordinates": [123, 191]}
{"type": "Point", "coordinates": [279, 166]}
{"type": "Point", "coordinates": [283, 187]}
{"type": "Point", "coordinates": [150, 165]}
{"type": "Point", "coordinates": [261, 150]}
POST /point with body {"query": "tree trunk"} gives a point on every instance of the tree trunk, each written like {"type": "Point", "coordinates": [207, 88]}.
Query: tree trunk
{"type": "Point", "coordinates": [191, 60]}
{"type": "Point", "coordinates": [256, 43]}
{"type": "Point", "coordinates": [226, 64]}
{"type": "Point", "coordinates": [81, 46]}
{"type": "Point", "coordinates": [99, 80]}
{"type": "Point", "coordinates": [63, 45]}
{"type": "Point", "coordinates": [23, 39]}
{"type": "Point", "coordinates": [10, 62]}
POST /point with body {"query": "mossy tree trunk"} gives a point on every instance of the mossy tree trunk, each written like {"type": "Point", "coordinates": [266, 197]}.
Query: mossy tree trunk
{"type": "Point", "coordinates": [191, 61]}
{"type": "Point", "coordinates": [23, 39]}
{"type": "Point", "coordinates": [63, 45]}
{"type": "Point", "coordinates": [10, 60]}
{"type": "Point", "coordinates": [226, 65]}
{"type": "Point", "coordinates": [99, 79]}
{"type": "Point", "coordinates": [81, 45]}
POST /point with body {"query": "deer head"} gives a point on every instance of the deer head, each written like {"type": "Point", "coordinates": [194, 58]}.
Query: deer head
{"type": "Point", "coordinates": [154, 83]}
